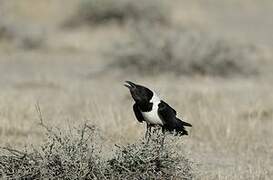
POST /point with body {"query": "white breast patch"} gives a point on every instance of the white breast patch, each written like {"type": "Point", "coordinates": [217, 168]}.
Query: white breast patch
{"type": "Point", "coordinates": [152, 117]}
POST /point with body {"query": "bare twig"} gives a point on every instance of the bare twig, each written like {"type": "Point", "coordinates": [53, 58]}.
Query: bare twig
{"type": "Point", "coordinates": [48, 129]}
{"type": "Point", "coordinates": [38, 109]}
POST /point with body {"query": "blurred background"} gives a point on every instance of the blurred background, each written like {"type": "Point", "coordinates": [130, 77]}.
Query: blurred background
{"type": "Point", "coordinates": [210, 59]}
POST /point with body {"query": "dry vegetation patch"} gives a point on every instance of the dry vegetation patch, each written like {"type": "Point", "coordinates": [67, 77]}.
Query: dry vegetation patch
{"type": "Point", "coordinates": [182, 51]}
{"type": "Point", "coordinates": [63, 155]}
{"type": "Point", "coordinates": [78, 154]}
{"type": "Point", "coordinates": [121, 11]}
{"type": "Point", "coordinates": [144, 160]}
{"type": "Point", "coordinates": [21, 36]}
{"type": "Point", "coordinates": [5, 32]}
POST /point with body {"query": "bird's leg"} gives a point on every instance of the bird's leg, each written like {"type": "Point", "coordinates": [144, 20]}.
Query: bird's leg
{"type": "Point", "coordinates": [148, 132]}
{"type": "Point", "coordinates": [163, 138]}
{"type": "Point", "coordinates": [162, 141]}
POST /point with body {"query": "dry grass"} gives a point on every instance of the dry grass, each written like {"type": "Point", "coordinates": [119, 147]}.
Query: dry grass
{"type": "Point", "coordinates": [232, 132]}
{"type": "Point", "coordinates": [232, 122]}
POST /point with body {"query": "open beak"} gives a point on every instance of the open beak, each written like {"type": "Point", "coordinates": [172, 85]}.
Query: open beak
{"type": "Point", "coordinates": [129, 84]}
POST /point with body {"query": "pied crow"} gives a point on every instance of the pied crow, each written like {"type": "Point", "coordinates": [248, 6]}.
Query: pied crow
{"type": "Point", "coordinates": [150, 108]}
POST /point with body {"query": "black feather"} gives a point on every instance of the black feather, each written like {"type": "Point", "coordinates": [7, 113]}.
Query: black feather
{"type": "Point", "coordinates": [170, 121]}
{"type": "Point", "coordinates": [138, 114]}
{"type": "Point", "coordinates": [174, 111]}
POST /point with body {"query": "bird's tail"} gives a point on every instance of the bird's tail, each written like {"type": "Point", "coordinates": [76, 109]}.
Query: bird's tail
{"type": "Point", "coordinates": [185, 123]}
{"type": "Point", "coordinates": [180, 127]}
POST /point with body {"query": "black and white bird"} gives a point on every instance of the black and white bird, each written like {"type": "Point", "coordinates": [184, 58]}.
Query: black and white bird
{"type": "Point", "coordinates": [150, 108]}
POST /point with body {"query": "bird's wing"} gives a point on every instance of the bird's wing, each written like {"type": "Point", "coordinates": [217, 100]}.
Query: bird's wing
{"type": "Point", "coordinates": [174, 111]}
{"type": "Point", "coordinates": [138, 114]}
{"type": "Point", "coordinates": [170, 121]}
{"type": "Point", "coordinates": [166, 113]}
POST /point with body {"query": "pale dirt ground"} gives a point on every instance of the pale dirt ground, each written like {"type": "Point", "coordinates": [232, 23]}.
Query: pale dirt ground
{"type": "Point", "coordinates": [232, 134]}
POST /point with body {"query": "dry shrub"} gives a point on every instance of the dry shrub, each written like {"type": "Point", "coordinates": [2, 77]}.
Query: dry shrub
{"type": "Point", "coordinates": [77, 154]}
{"type": "Point", "coordinates": [71, 155]}
{"type": "Point", "coordinates": [102, 11]}
{"type": "Point", "coordinates": [144, 160]}
{"type": "Point", "coordinates": [24, 37]}
{"type": "Point", "coordinates": [152, 50]}
{"type": "Point", "coordinates": [5, 32]}
{"type": "Point", "coordinates": [63, 156]}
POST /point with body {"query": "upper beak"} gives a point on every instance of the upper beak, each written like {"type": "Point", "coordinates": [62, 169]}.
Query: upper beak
{"type": "Point", "coordinates": [129, 84]}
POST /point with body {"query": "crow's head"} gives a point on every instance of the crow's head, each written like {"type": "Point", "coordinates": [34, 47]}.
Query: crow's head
{"type": "Point", "coordinates": [139, 93]}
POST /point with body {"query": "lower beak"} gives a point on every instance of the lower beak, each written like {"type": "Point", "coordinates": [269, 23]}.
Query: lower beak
{"type": "Point", "coordinates": [129, 84]}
